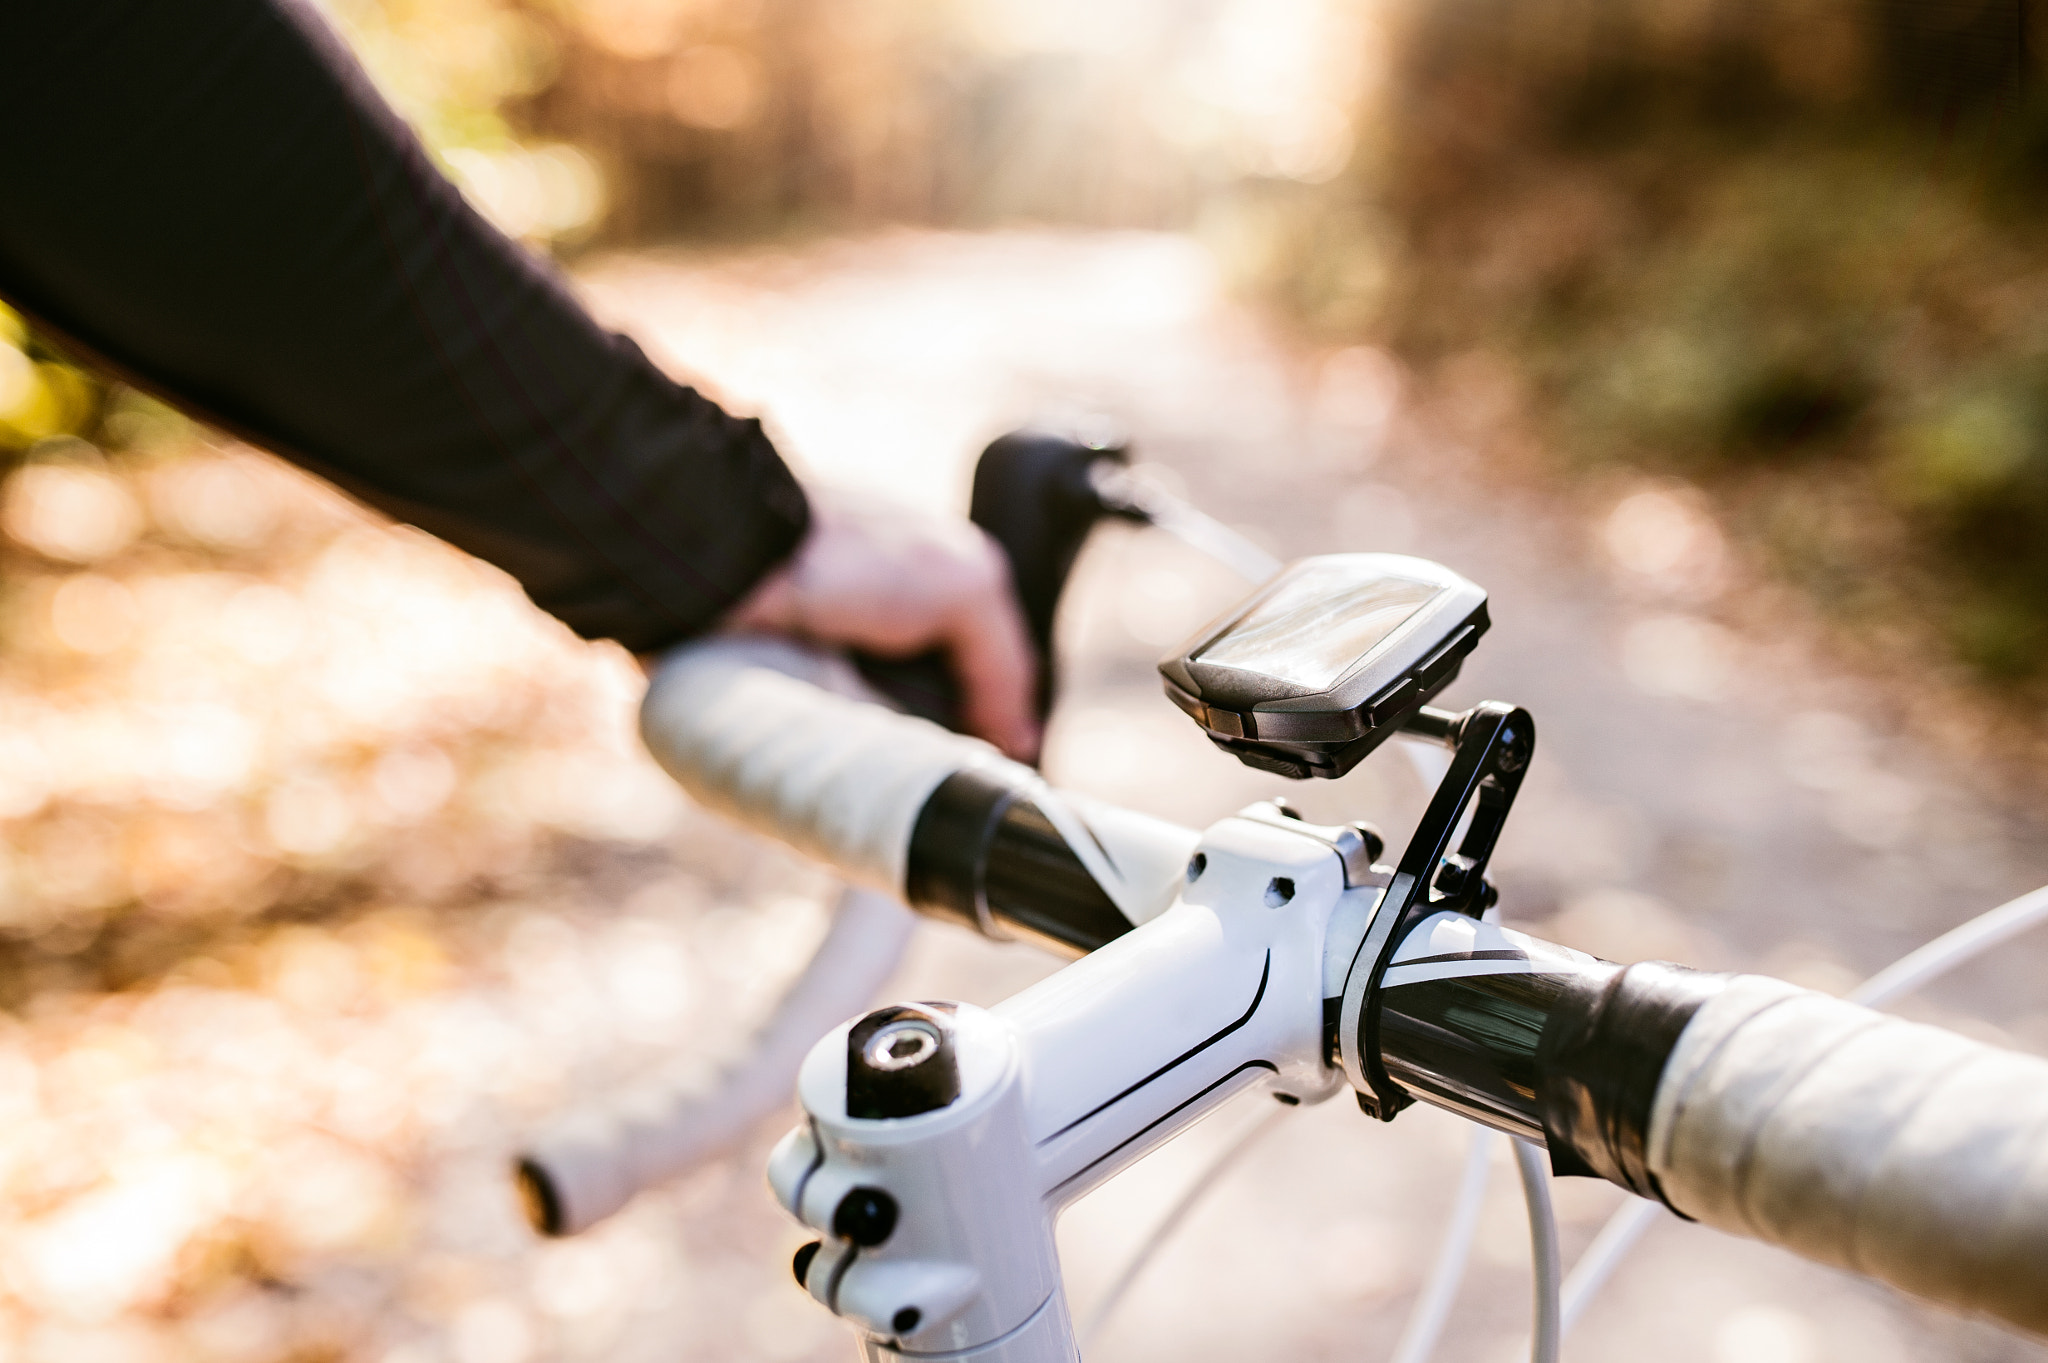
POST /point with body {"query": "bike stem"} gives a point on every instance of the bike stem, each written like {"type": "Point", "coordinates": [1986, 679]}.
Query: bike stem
{"type": "Point", "coordinates": [938, 1223]}
{"type": "Point", "coordinates": [937, 1173]}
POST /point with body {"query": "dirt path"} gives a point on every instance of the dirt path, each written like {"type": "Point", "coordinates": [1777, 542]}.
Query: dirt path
{"type": "Point", "coordinates": [1700, 793]}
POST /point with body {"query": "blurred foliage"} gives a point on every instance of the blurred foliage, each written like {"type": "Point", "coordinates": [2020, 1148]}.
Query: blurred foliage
{"type": "Point", "coordinates": [230, 693]}
{"type": "Point", "coordinates": [645, 119]}
{"type": "Point", "coordinates": [40, 394]}
{"type": "Point", "coordinates": [1795, 251]}
{"type": "Point", "coordinates": [326, 864]}
{"type": "Point", "coordinates": [745, 115]}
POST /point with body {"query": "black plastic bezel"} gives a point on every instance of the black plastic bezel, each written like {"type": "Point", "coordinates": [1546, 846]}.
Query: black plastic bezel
{"type": "Point", "coordinates": [1299, 732]}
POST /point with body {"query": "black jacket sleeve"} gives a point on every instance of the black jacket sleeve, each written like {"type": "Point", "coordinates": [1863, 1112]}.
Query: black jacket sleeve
{"type": "Point", "coordinates": [209, 197]}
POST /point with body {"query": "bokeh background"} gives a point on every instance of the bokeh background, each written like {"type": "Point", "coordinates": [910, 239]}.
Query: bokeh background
{"type": "Point", "coordinates": [1704, 332]}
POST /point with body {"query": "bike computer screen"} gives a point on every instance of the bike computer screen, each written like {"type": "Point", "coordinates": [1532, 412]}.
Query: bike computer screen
{"type": "Point", "coordinates": [1320, 665]}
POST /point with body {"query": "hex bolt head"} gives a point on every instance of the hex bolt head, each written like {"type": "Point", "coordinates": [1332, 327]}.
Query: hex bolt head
{"type": "Point", "coordinates": [900, 1062]}
{"type": "Point", "coordinates": [865, 1216]}
{"type": "Point", "coordinates": [1514, 750]}
{"type": "Point", "coordinates": [1454, 876]}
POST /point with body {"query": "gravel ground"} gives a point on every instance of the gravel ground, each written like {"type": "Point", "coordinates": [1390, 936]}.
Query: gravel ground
{"type": "Point", "coordinates": [467, 903]}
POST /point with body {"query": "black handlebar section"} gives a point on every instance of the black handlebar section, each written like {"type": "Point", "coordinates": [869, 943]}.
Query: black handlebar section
{"type": "Point", "coordinates": [1491, 747]}
{"type": "Point", "coordinates": [983, 854]}
{"type": "Point", "coordinates": [1569, 1055]}
{"type": "Point", "coordinates": [1472, 1043]}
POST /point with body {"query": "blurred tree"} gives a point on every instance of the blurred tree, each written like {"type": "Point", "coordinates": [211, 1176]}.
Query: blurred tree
{"type": "Point", "coordinates": [739, 116]}
{"type": "Point", "coordinates": [1796, 249]}
{"type": "Point", "coordinates": [1943, 60]}
{"type": "Point", "coordinates": [40, 394]}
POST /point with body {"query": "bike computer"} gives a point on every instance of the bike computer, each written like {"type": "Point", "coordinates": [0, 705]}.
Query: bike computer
{"type": "Point", "coordinates": [1322, 664]}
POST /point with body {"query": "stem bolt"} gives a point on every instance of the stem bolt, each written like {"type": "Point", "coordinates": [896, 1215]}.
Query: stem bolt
{"type": "Point", "coordinates": [865, 1216]}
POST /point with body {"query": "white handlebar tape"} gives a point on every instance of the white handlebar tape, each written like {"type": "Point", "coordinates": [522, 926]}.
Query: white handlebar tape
{"type": "Point", "coordinates": [838, 779]}
{"type": "Point", "coordinates": [776, 737]}
{"type": "Point", "coordinates": [1889, 1148]}
{"type": "Point", "coordinates": [585, 1168]}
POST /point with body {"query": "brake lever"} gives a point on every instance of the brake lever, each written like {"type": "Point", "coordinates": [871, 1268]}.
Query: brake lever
{"type": "Point", "coordinates": [1037, 496]}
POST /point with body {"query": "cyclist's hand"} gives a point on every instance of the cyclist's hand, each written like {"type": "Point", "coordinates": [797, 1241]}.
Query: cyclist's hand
{"type": "Point", "coordinates": [893, 581]}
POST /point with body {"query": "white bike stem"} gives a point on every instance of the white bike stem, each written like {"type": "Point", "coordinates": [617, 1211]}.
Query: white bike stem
{"type": "Point", "coordinates": [1059, 1088]}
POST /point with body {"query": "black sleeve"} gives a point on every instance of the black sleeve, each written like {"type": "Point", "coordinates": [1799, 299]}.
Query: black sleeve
{"type": "Point", "coordinates": [210, 198]}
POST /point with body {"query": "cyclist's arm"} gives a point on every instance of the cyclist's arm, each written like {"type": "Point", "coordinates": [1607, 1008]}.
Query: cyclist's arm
{"type": "Point", "coordinates": [211, 199]}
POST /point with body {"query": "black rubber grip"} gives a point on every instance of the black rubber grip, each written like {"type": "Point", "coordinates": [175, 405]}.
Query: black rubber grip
{"type": "Point", "coordinates": [1600, 1059]}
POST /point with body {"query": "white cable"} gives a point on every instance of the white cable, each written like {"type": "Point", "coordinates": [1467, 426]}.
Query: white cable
{"type": "Point", "coordinates": [1952, 948]}
{"type": "Point", "coordinates": [1915, 969]}
{"type": "Point", "coordinates": [1197, 1188]}
{"type": "Point", "coordinates": [1433, 1304]}
{"type": "Point", "coordinates": [1546, 1332]}
{"type": "Point", "coordinates": [1232, 548]}
{"type": "Point", "coordinates": [1604, 1255]}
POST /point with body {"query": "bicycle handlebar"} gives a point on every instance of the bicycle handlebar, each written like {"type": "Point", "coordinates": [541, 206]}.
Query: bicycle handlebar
{"type": "Point", "coordinates": [1896, 1150]}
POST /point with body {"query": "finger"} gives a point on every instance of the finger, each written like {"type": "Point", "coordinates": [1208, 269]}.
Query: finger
{"type": "Point", "coordinates": [997, 668]}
